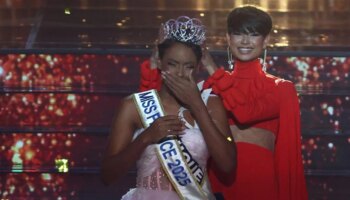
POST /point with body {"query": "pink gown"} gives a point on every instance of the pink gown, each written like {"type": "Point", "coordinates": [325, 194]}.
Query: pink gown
{"type": "Point", "coordinates": [151, 182]}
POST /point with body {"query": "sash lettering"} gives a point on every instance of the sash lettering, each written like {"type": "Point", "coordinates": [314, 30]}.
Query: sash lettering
{"type": "Point", "coordinates": [183, 171]}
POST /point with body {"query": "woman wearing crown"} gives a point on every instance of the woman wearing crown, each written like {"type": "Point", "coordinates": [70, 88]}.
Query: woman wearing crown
{"type": "Point", "coordinates": [263, 115]}
{"type": "Point", "coordinates": [170, 134]}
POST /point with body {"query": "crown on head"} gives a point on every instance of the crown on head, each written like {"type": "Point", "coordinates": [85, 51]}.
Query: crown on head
{"type": "Point", "coordinates": [183, 29]}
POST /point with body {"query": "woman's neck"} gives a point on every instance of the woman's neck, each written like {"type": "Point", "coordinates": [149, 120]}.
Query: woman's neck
{"type": "Point", "coordinates": [170, 103]}
{"type": "Point", "coordinates": [249, 63]}
{"type": "Point", "coordinates": [247, 69]}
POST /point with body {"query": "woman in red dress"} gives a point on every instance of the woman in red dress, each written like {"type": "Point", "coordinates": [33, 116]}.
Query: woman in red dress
{"type": "Point", "coordinates": [263, 111]}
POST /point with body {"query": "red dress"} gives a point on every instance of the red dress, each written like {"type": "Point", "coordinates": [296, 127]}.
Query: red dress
{"type": "Point", "coordinates": [256, 99]}
{"type": "Point", "coordinates": [150, 78]}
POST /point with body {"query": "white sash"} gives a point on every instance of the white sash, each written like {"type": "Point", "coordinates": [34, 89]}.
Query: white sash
{"type": "Point", "coordinates": [182, 170]}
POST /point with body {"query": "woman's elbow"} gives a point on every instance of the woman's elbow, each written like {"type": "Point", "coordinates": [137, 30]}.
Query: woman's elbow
{"type": "Point", "coordinates": [229, 166]}
{"type": "Point", "coordinates": [227, 169]}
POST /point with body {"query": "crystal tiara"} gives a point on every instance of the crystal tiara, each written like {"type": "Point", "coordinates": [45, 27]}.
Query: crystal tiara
{"type": "Point", "coordinates": [183, 29]}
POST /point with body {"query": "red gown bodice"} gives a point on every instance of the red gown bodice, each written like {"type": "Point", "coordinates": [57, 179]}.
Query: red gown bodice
{"type": "Point", "coordinates": [257, 99]}
{"type": "Point", "coordinates": [249, 94]}
{"type": "Point", "coordinates": [254, 98]}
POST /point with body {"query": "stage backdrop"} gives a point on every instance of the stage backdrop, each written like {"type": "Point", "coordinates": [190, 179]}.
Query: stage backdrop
{"type": "Point", "coordinates": [56, 110]}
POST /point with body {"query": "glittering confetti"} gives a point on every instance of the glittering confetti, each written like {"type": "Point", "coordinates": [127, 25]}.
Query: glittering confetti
{"type": "Point", "coordinates": [62, 165]}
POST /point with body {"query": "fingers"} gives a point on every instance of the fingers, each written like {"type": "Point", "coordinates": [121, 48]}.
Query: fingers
{"type": "Point", "coordinates": [174, 83]}
{"type": "Point", "coordinates": [174, 128]}
{"type": "Point", "coordinates": [171, 120]}
{"type": "Point", "coordinates": [165, 126]}
{"type": "Point", "coordinates": [169, 77]}
{"type": "Point", "coordinates": [184, 88]}
{"type": "Point", "coordinates": [205, 51]}
{"type": "Point", "coordinates": [208, 62]}
{"type": "Point", "coordinates": [156, 42]}
{"type": "Point", "coordinates": [170, 123]}
{"type": "Point", "coordinates": [170, 117]}
{"type": "Point", "coordinates": [190, 77]}
{"type": "Point", "coordinates": [175, 80]}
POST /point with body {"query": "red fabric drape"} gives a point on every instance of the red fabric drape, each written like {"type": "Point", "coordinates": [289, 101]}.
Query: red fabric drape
{"type": "Point", "coordinates": [259, 100]}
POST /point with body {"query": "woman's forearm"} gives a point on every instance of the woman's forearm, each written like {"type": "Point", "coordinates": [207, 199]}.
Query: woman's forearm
{"type": "Point", "coordinates": [115, 166]}
{"type": "Point", "coordinates": [221, 149]}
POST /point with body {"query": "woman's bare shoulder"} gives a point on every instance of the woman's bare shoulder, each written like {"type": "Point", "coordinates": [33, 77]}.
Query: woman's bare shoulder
{"type": "Point", "coordinates": [127, 110]}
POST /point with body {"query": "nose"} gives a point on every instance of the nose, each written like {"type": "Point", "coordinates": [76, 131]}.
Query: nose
{"type": "Point", "coordinates": [245, 39]}
{"type": "Point", "coordinates": [180, 71]}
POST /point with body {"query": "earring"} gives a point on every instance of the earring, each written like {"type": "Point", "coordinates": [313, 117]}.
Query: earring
{"type": "Point", "coordinates": [264, 60]}
{"type": "Point", "coordinates": [229, 58]}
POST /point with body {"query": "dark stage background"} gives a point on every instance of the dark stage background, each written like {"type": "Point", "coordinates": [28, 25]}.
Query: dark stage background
{"type": "Point", "coordinates": [56, 110]}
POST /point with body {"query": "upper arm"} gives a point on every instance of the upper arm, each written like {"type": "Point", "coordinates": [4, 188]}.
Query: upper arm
{"type": "Point", "coordinates": [123, 126]}
{"type": "Point", "coordinates": [218, 114]}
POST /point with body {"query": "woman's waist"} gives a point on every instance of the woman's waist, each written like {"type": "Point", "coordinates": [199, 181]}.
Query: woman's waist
{"type": "Point", "coordinates": [256, 136]}
{"type": "Point", "coordinates": [270, 125]}
{"type": "Point", "coordinates": [158, 180]}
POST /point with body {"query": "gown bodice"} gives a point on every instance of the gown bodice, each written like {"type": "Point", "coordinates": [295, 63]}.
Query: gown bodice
{"type": "Point", "coordinates": [152, 182]}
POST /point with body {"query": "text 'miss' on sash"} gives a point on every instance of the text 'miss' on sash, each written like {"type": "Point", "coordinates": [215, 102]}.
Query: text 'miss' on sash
{"type": "Point", "coordinates": [183, 171]}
